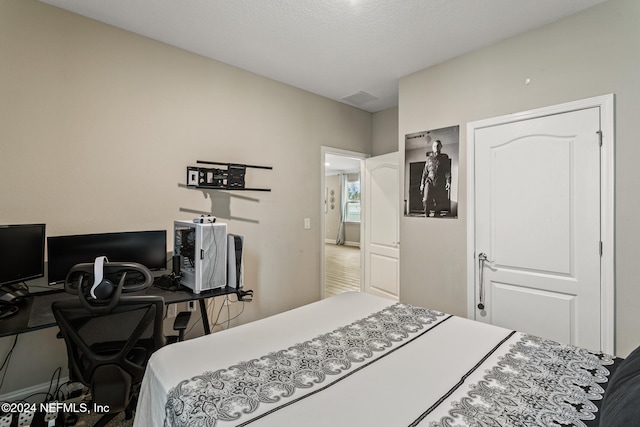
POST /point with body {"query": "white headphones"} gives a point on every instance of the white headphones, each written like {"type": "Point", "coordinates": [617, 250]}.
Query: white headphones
{"type": "Point", "coordinates": [98, 274]}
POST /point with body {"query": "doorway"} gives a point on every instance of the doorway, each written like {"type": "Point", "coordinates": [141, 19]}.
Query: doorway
{"type": "Point", "coordinates": [341, 257]}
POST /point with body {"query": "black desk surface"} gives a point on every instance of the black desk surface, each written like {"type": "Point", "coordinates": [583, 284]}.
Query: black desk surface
{"type": "Point", "coordinates": [35, 312]}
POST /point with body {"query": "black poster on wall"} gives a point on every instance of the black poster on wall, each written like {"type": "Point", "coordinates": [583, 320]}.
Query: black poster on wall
{"type": "Point", "coordinates": [431, 173]}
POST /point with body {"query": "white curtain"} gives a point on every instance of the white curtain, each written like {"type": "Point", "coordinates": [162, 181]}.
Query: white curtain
{"type": "Point", "coordinates": [343, 207]}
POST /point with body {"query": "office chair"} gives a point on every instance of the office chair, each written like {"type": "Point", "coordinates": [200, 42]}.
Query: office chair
{"type": "Point", "coordinates": [109, 335]}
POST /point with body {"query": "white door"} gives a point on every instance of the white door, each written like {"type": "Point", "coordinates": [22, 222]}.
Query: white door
{"type": "Point", "coordinates": [381, 226]}
{"type": "Point", "coordinates": [537, 207]}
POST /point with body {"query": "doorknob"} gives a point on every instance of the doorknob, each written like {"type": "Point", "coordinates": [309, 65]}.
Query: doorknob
{"type": "Point", "coordinates": [482, 258]}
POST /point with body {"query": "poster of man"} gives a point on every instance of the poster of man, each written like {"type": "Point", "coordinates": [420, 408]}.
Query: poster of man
{"type": "Point", "coordinates": [431, 173]}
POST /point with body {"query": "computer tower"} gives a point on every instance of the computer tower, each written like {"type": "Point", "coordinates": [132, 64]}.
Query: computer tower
{"type": "Point", "coordinates": [201, 251]}
{"type": "Point", "coordinates": [235, 270]}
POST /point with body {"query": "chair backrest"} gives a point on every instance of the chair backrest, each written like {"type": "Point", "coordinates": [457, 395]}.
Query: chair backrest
{"type": "Point", "coordinates": [109, 352]}
{"type": "Point", "coordinates": [108, 349]}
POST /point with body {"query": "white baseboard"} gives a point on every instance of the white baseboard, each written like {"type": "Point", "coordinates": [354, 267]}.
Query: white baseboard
{"type": "Point", "coordinates": [333, 241]}
{"type": "Point", "coordinates": [38, 390]}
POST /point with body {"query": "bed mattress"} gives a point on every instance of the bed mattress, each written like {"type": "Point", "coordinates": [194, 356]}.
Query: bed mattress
{"type": "Point", "coordinates": [360, 360]}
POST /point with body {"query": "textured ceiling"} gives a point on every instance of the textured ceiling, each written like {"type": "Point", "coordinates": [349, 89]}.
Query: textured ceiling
{"type": "Point", "coordinates": [354, 49]}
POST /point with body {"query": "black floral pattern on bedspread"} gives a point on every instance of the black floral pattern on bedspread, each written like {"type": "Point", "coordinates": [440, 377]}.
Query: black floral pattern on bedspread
{"type": "Point", "coordinates": [537, 383]}
{"type": "Point", "coordinates": [228, 394]}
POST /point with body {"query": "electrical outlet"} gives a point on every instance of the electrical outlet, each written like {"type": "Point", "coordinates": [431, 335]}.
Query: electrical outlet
{"type": "Point", "coordinates": [191, 306]}
{"type": "Point", "coordinates": [172, 310]}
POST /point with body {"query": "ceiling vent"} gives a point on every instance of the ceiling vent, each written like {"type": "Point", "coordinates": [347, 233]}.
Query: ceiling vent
{"type": "Point", "coordinates": [360, 98]}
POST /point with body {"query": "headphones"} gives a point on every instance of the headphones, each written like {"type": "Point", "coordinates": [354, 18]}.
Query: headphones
{"type": "Point", "coordinates": [102, 288]}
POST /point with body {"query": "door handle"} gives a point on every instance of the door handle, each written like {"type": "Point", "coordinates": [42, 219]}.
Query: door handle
{"type": "Point", "coordinates": [482, 258]}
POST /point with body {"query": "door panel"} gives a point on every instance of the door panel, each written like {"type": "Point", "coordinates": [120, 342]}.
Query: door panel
{"type": "Point", "coordinates": [532, 210]}
{"type": "Point", "coordinates": [381, 226]}
{"type": "Point", "coordinates": [384, 273]}
{"type": "Point", "coordinates": [519, 306]}
{"type": "Point", "coordinates": [538, 220]}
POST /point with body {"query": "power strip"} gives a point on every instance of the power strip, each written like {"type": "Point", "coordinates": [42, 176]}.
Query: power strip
{"type": "Point", "coordinates": [25, 419]}
{"type": "Point", "coordinates": [18, 419]}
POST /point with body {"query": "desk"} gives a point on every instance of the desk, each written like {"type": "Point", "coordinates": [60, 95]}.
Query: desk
{"type": "Point", "coordinates": [35, 311]}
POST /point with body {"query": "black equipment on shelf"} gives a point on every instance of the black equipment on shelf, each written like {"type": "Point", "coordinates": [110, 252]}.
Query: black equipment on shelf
{"type": "Point", "coordinates": [227, 176]}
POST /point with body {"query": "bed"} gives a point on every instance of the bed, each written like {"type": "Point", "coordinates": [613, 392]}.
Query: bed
{"type": "Point", "coordinates": [360, 360]}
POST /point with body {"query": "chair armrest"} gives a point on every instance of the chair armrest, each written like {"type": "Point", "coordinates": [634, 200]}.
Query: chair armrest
{"type": "Point", "coordinates": [182, 320]}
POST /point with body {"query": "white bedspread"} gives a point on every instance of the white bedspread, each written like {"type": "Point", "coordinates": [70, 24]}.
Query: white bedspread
{"type": "Point", "coordinates": [424, 368]}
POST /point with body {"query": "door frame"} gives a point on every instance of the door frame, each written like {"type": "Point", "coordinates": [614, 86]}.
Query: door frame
{"type": "Point", "coordinates": [607, 206]}
{"type": "Point", "coordinates": [324, 150]}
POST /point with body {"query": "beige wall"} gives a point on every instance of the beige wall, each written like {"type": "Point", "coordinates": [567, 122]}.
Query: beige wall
{"type": "Point", "coordinates": [385, 132]}
{"type": "Point", "coordinates": [589, 54]}
{"type": "Point", "coordinates": [97, 126]}
{"type": "Point", "coordinates": [332, 216]}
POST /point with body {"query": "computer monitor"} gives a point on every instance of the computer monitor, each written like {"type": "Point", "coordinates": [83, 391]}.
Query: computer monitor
{"type": "Point", "coordinates": [21, 252]}
{"type": "Point", "coordinates": [148, 248]}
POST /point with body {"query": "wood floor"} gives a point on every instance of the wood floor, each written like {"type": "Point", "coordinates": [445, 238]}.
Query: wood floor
{"type": "Point", "coordinates": [342, 269]}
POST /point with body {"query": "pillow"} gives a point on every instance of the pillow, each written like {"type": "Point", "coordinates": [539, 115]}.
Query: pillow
{"type": "Point", "coordinates": [621, 403]}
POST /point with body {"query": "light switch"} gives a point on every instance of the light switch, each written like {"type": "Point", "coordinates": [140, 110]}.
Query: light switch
{"type": "Point", "coordinates": [307, 223]}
